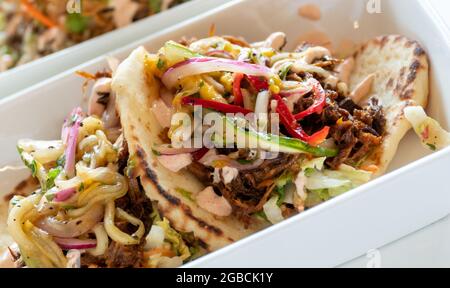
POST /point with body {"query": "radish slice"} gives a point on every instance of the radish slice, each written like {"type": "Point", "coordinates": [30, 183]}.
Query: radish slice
{"type": "Point", "coordinates": [74, 243]}
{"type": "Point", "coordinates": [70, 138]}
{"type": "Point", "coordinates": [78, 113]}
{"type": "Point", "coordinates": [69, 166]}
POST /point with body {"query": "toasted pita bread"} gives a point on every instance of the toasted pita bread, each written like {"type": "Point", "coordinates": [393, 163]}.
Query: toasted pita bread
{"type": "Point", "coordinates": [400, 67]}
{"type": "Point", "coordinates": [135, 91]}
{"type": "Point", "coordinates": [401, 72]}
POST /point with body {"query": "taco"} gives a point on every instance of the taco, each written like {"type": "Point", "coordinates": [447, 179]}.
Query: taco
{"type": "Point", "coordinates": [337, 125]}
{"type": "Point", "coordinates": [129, 184]}
{"type": "Point", "coordinates": [88, 208]}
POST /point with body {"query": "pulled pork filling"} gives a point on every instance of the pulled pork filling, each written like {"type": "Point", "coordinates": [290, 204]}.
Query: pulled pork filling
{"type": "Point", "coordinates": [251, 189]}
{"type": "Point", "coordinates": [355, 130]}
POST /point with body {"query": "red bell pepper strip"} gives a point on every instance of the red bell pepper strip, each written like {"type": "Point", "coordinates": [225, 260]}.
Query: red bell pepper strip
{"type": "Point", "coordinates": [214, 105]}
{"type": "Point", "coordinates": [237, 92]}
{"type": "Point", "coordinates": [294, 128]}
{"type": "Point", "coordinates": [197, 155]}
{"type": "Point", "coordinates": [319, 103]}
{"type": "Point", "coordinates": [318, 137]}
{"type": "Point", "coordinates": [258, 83]}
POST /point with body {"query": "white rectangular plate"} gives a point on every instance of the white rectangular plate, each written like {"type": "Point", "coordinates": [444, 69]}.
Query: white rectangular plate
{"type": "Point", "coordinates": [26, 75]}
{"type": "Point", "coordinates": [410, 197]}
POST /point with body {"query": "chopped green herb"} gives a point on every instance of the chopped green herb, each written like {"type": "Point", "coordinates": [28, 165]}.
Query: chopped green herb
{"type": "Point", "coordinates": [309, 171]}
{"type": "Point", "coordinates": [432, 147]}
{"type": "Point", "coordinates": [186, 194]}
{"type": "Point", "coordinates": [81, 188]}
{"type": "Point", "coordinates": [61, 161]}
{"type": "Point", "coordinates": [244, 161]}
{"type": "Point", "coordinates": [15, 200]}
{"type": "Point", "coordinates": [281, 191]}
{"type": "Point", "coordinates": [283, 72]}
{"type": "Point", "coordinates": [261, 214]}
{"type": "Point", "coordinates": [28, 160]}
{"type": "Point", "coordinates": [202, 83]}
{"type": "Point", "coordinates": [50, 196]}
{"type": "Point", "coordinates": [51, 176]}
{"type": "Point", "coordinates": [161, 64]}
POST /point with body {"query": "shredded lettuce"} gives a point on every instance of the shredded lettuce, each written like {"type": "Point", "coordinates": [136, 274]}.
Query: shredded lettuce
{"type": "Point", "coordinates": [273, 211]}
{"type": "Point", "coordinates": [281, 184]}
{"type": "Point", "coordinates": [174, 238]}
{"type": "Point", "coordinates": [193, 243]}
{"type": "Point", "coordinates": [316, 197]}
{"type": "Point", "coordinates": [289, 191]}
{"type": "Point", "coordinates": [319, 180]}
{"type": "Point", "coordinates": [261, 215]}
{"type": "Point", "coordinates": [357, 177]}
{"type": "Point", "coordinates": [315, 163]}
{"type": "Point", "coordinates": [323, 184]}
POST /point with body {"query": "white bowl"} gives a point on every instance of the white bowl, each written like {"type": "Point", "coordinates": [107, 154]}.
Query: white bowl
{"type": "Point", "coordinates": [31, 73]}
{"type": "Point", "coordinates": [412, 195]}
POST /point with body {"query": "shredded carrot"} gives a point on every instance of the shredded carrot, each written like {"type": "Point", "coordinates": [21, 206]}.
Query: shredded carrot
{"type": "Point", "coordinates": [36, 14]}
{"type": "Point", "coordinates": [163, 251]}
{"type": "Point", "coordinates": [370, 168]}
{"type": "Point", "coordinates": [86, 75]}
{"type": "Point", "coordinates": [212, 30]}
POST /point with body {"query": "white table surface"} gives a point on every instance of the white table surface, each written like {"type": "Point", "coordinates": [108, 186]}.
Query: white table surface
{"type": "Point", "coordinates": [429, 247]}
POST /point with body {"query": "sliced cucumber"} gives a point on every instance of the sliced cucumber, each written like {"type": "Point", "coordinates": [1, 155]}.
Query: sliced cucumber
{"type": "Point", "coordinates": [275, 143]}
{"type": "Point", "coordinates": [174, 53]}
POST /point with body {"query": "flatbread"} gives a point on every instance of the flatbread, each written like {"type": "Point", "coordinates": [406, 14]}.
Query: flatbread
{"type": "Point", "coordinates": [136, 90]}
{"type": "Point", "coordinates": [400, 67]}
{"type": "Point", "coordinates": [401, 73]}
